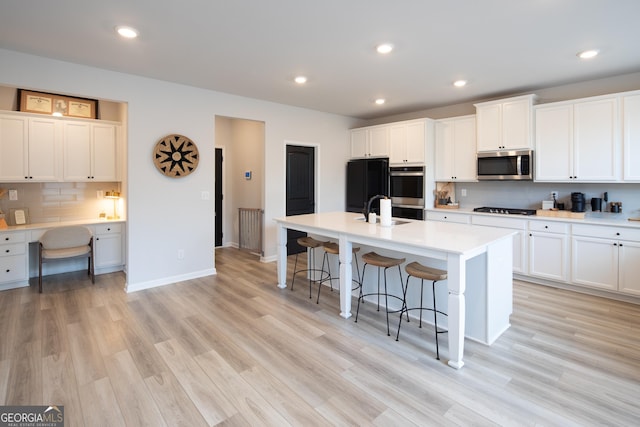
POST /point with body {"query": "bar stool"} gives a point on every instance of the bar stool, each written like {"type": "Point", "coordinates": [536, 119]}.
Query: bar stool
{"type": "Point", "coordinates": [311, 244]}
{"type": "Point", "coordinates": [380, 261]}
{"type": "Point", "coordinates": [415, 269]}
{"type": "Point", "coordinates": [333, 249]}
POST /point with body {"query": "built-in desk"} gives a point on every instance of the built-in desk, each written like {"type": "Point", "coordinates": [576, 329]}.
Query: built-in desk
{"type": "Point", "coordinates": [477, 259]}
{"type": "Point", "coordinates": [19, 251]}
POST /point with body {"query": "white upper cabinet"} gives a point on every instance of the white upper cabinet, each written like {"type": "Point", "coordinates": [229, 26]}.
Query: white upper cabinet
{"type": "Point", "coordinates": [505, 124]}
{"type": "Point", "coordinates": [578, 141]}
{"type": "Point", "coordinates": [456, 149]}
{"type": "Point", "coordinates": [370, 142]}
{"type": "Point", "coordinates": [631, 136]}
{"type": "Point", "coordinates": [407, 142]}
{"type": "Point", "coordinates": [90, 151]}
{"type": "Point", "coordinates": [29, 148]}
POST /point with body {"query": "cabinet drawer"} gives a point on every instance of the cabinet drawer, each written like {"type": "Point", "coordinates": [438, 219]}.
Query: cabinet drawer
{"type": "Point", "coordinates": [12, 238]}
{"type": "Point", "coordinates": [447, 216]}
{"type": "Point", "coordinates": [14, 249]}
{"type": "Point", "coordinates": [621, 233]}
{"type": "Point", "coordinates": [516, 224]}
{"type": "Point", "coordinates": [108, 228]}
{"type": "Point", "coordinates": [13, 268]}
{"type": "Point", "coordinates": [549, 226]}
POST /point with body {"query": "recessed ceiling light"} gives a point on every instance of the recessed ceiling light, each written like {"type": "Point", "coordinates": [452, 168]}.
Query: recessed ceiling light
{"type": "Point", "coordinates": [380, 101]}
{"type": "Point", "coordinates": [384, 48]}
{"type": "Point", "coordinates": [127, 32]}
{"type": "Point", "coordinates": [460, 83]}
{"type": "Point", "coordinates": [588, 54]}
{"type": "Point", "coordinates": [300, 80]}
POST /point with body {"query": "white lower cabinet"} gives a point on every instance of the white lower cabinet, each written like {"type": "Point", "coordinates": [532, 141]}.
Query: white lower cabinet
{"type": "Point", "coordinates": [519, 239]}
{"type": "Point", "coordinates": [606, 258]}
{"type": "Point", "coordinates": [13, 259]}
{"type": "Point", "coordinates": [548, 250]}
{"type": "Point", "coordinates": [108, 245]}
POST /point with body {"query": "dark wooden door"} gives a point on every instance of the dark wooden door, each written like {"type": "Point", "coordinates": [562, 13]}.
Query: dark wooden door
{"type": "Point", "coordinates": [300, 197]}
{"type": "Point", "coordinates": [218, 198]}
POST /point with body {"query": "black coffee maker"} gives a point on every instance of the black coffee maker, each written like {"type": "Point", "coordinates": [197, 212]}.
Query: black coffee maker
{"type": "Point", "coordinates": [577, 202]}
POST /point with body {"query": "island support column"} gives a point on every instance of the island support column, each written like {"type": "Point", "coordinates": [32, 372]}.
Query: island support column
{"type": "Point", "coordinates": [346, 273]}
{"type": "Point", "coordinates": [456, 279]}
{"type": "Point", "coordinates": [282, 256]}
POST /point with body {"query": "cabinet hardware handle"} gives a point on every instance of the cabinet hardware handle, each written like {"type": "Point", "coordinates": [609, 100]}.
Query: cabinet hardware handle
{"type": "Point", "coordinates": [546, 226]}
{"type": "Point", "coordinates": [7, 271]}
{"type": "Point", "coordinates": [6, 238]}
{"type": "Point", "coordinates": [620, 244]}
{"type": "Point", "coordinates": [617, 234]}
{"type": "Point", "coordinates": [615, 244]}
{"type": "Point", "coordinates": [7, 251]}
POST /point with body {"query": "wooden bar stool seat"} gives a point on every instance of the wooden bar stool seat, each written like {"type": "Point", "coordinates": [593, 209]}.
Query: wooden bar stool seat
{"type": "Point", "coordinates": [382, 262]}
{"type": "Point", "coordinates": [311, 244]}
{"type": "Point", "coordinates": [331, 248]}
{"type": "Point", "coordinates": [434, 275]}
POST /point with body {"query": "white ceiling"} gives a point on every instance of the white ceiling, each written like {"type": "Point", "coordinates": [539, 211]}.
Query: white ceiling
{"type": "Point", "coordinates": [254, 48]}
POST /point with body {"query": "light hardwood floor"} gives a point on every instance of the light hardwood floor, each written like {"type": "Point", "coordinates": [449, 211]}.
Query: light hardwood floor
{"type": "Point", "coordinates": [234, 349]}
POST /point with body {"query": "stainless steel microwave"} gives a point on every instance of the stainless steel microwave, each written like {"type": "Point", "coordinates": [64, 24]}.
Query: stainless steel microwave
{"type": "Point", "coordinates": [506, 165]}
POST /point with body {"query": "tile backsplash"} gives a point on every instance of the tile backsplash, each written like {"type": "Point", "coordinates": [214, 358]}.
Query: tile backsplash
{"type": "Point", "coordinates": [60, 201]}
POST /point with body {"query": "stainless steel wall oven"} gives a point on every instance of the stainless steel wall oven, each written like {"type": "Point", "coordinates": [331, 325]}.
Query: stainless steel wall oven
{"type": "Point", "coordinates": [407, 191]}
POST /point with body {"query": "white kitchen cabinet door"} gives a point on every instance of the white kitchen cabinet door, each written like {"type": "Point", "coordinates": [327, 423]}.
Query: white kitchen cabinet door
{"type": "Point", "coordinates": [631, 135]}
{"type": "Point", "coordinates": [77, 151]}
{"type": "Point", "coordinates": [108, 240]}
{"type": "Point", "coordinates": [548, 256]}
{"type": "Point", "coordinates": [516, 124]}
{"type": "Point", "coordinates": [370, 142]}
{"type": "Point", "coordinates": [104, 157]}
{"type": "Point", "coordinates": [629, 267]}
{"type": "Point", "coordinates": [90, 152]}
{"type": "Point", "coordinates": [594, 262]}
{"type": "Point", "coordinates": [456, 149]}
{"type": "Point", "coordinates": [505, 124]}
{"type": "Point", "coordinates": [14, 149]}
{"type": "Point", "coordinates": [489, 127]}
{"type": "Point", "coordinates": [44, 149]}
{"type": "Point", "coordinates": [596, 140]}
{"type": "Point", "coordinates": [553, 154]}
{"type": "Point", "coordinates": [407, 143]}
{"type": "Point", "coordinates": [379, 141]}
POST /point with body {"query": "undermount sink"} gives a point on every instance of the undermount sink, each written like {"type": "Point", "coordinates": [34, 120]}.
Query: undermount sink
{"type": "Point", "coordinates": [393, 221]}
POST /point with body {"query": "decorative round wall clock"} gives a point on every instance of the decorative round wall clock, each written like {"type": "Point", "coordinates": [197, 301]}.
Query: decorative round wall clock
{"type": "Point", "coordinates": [176, 156]}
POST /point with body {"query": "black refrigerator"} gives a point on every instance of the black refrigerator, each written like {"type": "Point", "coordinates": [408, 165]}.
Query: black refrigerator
{"type": "Point", "coordinates": [366, 178]}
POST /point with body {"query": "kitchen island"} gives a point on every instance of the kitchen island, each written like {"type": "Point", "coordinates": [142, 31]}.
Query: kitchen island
{"type": "Point", "coordinates": [476, 258]}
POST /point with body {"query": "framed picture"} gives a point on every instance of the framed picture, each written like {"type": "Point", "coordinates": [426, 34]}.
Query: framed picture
{"type": "Point", "coordinates": [57, 105]}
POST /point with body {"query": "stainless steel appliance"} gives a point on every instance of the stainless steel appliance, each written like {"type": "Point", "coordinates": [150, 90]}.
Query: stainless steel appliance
{"type": "Point", "coordinates": [506, 211]}
{"type": "Point", "coordinates": [506, 165]}
{"type": "Point", "coordinates": [407, 191]}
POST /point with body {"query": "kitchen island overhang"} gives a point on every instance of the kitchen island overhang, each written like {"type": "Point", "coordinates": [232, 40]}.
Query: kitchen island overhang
{"type": "Point", "coordinates": [479, 258]}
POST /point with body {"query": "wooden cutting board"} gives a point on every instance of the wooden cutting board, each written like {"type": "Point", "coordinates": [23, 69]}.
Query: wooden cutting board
{"type": "Point", "coordinates": [560, 214]}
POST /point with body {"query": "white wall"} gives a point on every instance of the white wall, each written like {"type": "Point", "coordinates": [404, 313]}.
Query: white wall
{"type": "Point", "coordinates": [166, 214]}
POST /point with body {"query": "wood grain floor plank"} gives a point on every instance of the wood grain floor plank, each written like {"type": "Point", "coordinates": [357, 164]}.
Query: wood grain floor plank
{"type": "Point", "coordinates": [175, 405]}
{"type": "Point", "coordinates": [208, 398]}
{"type": "Point", "coordinates": [87, 360]}
{"type": "Point", "coordinates": [136, 403]}
{"type": "Point", "coordinates": [60, 386]}
{"type": "Point", "coordinates": [99, 404]}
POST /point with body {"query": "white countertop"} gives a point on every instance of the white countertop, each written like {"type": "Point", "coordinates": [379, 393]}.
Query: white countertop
{"type": "Point", "coordinates": [446, 237]}
{"type": "Point", "coordinates": [593, 218]}
{"type": "Point", "coordinates": [41, 225]}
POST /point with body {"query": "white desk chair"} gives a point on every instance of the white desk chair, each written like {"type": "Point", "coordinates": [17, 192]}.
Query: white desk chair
{"type": "Point", "coordinates": [64, 243]}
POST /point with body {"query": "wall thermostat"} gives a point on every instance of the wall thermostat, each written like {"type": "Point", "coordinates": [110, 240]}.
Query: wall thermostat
{"type": "Point", "coordinates": [247, 175]}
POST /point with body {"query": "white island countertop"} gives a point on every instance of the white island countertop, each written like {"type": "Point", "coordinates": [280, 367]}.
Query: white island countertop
{"type": "Point", "coordinates": [451, 242]}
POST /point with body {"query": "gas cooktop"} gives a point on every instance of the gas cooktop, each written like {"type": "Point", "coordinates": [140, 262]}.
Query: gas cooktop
{"type": "Point", "coordinates": [506, 211]}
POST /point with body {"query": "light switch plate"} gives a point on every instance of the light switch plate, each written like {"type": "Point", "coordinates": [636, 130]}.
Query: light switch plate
{"type": "Point", "coordinates": [13, 194]}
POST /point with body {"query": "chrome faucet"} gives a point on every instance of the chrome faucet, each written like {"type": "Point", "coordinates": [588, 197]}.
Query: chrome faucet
{"type": "Point", "coordinates": [367, 206]}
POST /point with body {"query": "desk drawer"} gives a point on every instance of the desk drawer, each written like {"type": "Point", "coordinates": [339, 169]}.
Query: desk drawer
{"type": "Point", "coordinates": [10, 250]}
{"type": "Point", "coordinates": [13, 268]}
{"type": "Point", "coordinates": [549, 226]}
{"type": "Point", "coordinates": [108, 228]}
{"type": "Point", "coordinates": [12, 238]}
